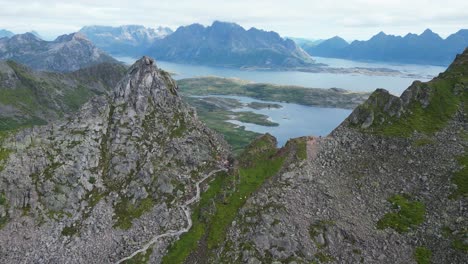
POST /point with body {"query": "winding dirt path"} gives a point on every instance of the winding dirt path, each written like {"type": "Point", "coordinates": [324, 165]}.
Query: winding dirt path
{"type": "Point", "coordinates": [170, 233]}
{"type": "Point", "coordinates": [312, 148]}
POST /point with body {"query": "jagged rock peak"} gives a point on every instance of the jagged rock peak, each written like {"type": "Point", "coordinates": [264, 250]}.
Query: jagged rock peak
{"type": "Point", "coordinates": [145, 83]}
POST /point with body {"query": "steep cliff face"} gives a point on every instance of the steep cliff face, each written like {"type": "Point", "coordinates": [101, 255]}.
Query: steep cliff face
{"type": "Point", "coordinates": [65, 54]}
{"type": "Point", "coordinates": [99, 185]}
{"type": "Point", "coordinates": [389, 185]}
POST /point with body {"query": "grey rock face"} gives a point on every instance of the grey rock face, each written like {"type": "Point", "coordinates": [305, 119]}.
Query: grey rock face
{"type": "Point", "coordinates": [65, 54]}
{"type": "Point", "coordinates": [326, 209]}
{"type": "Point", "coordinates": [95, 187]}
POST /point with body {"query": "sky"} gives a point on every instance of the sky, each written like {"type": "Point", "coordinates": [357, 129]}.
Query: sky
{"type": "Point", "coordinates": [350, 19]}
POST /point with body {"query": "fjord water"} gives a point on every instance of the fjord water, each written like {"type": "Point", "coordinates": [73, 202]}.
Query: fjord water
{"type": "Point", "coordinates": [298, 120]}
{"type": "Point", "coordinates": [294, 120]}
{"type": "Point", "coordinates": [354, 82]}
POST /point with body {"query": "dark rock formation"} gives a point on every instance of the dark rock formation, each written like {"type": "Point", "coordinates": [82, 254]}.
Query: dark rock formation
{"type": "Point", "coordinates": [98, 185]}
{"type": "Point", "coordinates": [65, 54]}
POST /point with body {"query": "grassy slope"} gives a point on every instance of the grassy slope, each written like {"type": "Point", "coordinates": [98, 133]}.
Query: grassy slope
{"type": "Point", "coordinates": [227, 193]}
{"type": "Point", "coordinates": [269, 92]}
{"type": "Point", "coordinates": [40, 96]}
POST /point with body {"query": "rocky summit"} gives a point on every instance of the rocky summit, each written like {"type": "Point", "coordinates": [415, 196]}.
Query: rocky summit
{"type": "Point", "coordinates": [65, 54]}
{"type": "Point", "coordinates": [97, 186]}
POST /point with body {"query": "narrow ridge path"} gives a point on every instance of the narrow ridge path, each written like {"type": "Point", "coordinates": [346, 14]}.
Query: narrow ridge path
{"type": "Point", "coordinates": [186, 209]}
{"type": "Point", "coordinates": [312, 147]}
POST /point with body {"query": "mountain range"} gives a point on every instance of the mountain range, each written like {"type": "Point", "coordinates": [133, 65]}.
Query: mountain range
{"type": "Point", "coordinates": [134, 176]}
{"type": "Point", "coordinates": [66, 53]}
{"type": "Point", "coordinates": [426, 48]}
{"type": "Point", "coordinates": [127, 40]}
{"type": "Point", "coordinates": [228, 44]}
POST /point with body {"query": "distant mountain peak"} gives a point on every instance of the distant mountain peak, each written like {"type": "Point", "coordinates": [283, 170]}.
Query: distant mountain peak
{"type": "Point", "coordinates": [66, 53]}
{"type": "Point", "coordinates": [428, 31]}
{"type": "Point", "coordinates": [229, 44]}
{"type": "Point", "coordinates": [6, 33]}
{"type": "Point", "coordinates": [218, 23]}
{"type": "Point", "coordinates": [25, 37]}
{"type": "Point", "coordinates": [70, 37]}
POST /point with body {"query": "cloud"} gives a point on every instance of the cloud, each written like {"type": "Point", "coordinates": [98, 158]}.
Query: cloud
{"type": "Point", "coordinates": [352, 19]}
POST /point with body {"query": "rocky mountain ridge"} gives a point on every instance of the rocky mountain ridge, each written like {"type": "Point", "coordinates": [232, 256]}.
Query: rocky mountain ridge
{"type": "Point", "coordinates": [5, 33]}
{"type": "Point", "coordinates": [98, 185]}
{"type": "Point", "coordinates": [382, 188]}
{"type": "Point", "coordinates": [117, 181]}
{"type": "Point", "coordinates": [66, 53]}
{"type": "Point", "coordinates": [127, 40]}
{"type": "Point", "coordinates": [426, 48]}
{"type": "Point", "coordinates": [228, 44]}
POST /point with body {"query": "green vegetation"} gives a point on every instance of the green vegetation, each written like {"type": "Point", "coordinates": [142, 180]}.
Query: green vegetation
{"type": "Point", "coordinates": [40, 96]}
{"type": "Point", "coordinates": [216, 119]}
{"type": "Point", "coordinates": [125, 211]}
{"type": "Point", "coordinates": [269, 92]}
{"type": "Point", "coordinates": [92, 180]}
{"type": "Point", "coordinates": [319, 227]}
{"type": "Point", "coordinates": [75, 98]}
{"type": "Point", "coordinates": [324, 258]}
{"type": "Point", "coordinates": [443, 105]}
{"type": "Point", "coordinates": [446, 95]}
{"type": "Point", "coordinates": [181, 128]}
{"type": "Point", "coordinates": [70, 230]}
{"type": "Point", "coordinates": [458, 237]}
{"type": "Point", "coordinates": [2, 199]}
{"type": "Point", "coordinates": [227, 193]}
{"type": "Point", "coordinates": [422, 255]}
{"type": "Point", "coordinates": [300, 147]}
{"type": "Point", "coordinates": [4, 153]}
{"type": "Point", "coordinates": [259, 105]}
{"type": "Point", "coordinates": [141, 258]}
{"type": "Point", "coordinates": [422, 142]}
{"type": "Point", "coordinates": [250, 117]}
{"type": "Point", "coordinates": [410, 214]}
{"type": "Point", "coordinates": [459, 244]}
{"type": "Point", "coordinates": [460, 179]}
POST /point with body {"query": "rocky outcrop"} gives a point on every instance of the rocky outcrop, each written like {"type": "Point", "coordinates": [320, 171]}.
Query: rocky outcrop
{"type": "Point", "coordinates": [97, 186]}
{"type": "Point", "coordinates": [65, 54]}
{"type": "Point", "coordinates": [365, 194]}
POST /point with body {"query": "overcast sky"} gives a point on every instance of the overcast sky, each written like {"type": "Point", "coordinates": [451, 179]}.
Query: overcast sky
{"type": "Point", "coordinates": [351, 19]}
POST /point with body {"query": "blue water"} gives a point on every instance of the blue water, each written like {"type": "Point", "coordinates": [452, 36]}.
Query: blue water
{"type": "Point", "coordinates": [294, 120]}
{"type": "Point", "coordinates": [354, 82]}
{"type": "Point", "coordinates": [297, 120]}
